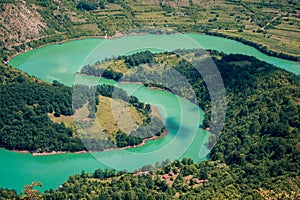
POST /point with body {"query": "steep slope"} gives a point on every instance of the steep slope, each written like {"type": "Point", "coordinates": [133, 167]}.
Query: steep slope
{"type": "Point", "coordinates": [20, 23]}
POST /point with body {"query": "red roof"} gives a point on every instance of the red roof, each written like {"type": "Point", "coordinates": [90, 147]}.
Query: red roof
{"type": "Point", "coordinates": [200, 181]}
{"type": "Point", "coordinates": [166, 176]}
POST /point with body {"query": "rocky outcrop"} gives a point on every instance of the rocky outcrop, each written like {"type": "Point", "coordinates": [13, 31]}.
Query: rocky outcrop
{"type": "Point", "coordinates": [19, 23]}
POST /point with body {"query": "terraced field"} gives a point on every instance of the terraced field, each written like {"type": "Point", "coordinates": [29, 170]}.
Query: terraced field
{"type": "Point", "coordinates": [273, 24]}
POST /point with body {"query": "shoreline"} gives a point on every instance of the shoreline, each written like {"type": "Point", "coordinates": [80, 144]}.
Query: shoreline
{"type": "Point", "coordinates": [165, 132]}
{"type": "Point", "coordinates": [154, 112]}
{"type": "Point", "coordinates": [259, 47]}
{"type": "Point", "coordinates": [148, 86]}
{"type": "Point", "coordinates": [58, 152]}
{"type": "Point", "coordinates": [117, 35]}
{"type": "Point", "coordinates": [46, 153]}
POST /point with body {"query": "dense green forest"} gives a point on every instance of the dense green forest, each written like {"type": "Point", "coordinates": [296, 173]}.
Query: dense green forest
{"type": "Point", "coordinates": [109, 74]}
{"type": "Point", "coordinates": [256, 157]}
{"type": "Point", "coordinates": [179, 180]}
{"type": "Point", "coordinates": [24, 122]}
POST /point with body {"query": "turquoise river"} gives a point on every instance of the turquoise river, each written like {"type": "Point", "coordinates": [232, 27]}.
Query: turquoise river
{"type": "Point", "coordinates": [182, 118]}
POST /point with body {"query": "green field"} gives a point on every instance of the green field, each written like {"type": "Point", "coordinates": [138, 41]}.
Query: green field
{"type": "Point", "coordinates": [107, 122]}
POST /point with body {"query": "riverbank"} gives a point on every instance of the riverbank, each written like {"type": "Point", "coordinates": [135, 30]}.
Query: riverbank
{"type": "Point", "coordinates": [154, 113]}
{"type": "Point", "coordinates": [58, 152]}
{"type": "Point", "coordinates": [262, 48]}
{"type": "Point", "coordinates": [48, 153]}
{"type": "Point", "coordinates": [165, 132]}
{"type": "Point", "coordinates": [259, 47]}
{"type": "Point", "coordinates": [85, 152]}
{"type": "Point", "coordinates": [64, 40]}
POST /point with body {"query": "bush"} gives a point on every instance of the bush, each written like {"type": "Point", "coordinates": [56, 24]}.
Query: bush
{"type": "Point", "coordinates": [84, 5]}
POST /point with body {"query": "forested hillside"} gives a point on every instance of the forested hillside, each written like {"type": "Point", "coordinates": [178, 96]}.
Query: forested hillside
{"type": "Point", "coordinates": [256, 157]}
{"type": "Point", "coordinates": [24, 123]}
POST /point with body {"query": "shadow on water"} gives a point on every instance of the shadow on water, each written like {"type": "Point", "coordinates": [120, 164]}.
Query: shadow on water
{"type": "Point", "coordinates": [174, 127]}
{"type": "Point", "coordinates": [172, 124]}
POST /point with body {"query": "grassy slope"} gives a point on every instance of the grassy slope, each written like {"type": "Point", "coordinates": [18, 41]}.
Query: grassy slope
{"type": "Point", "coordinates": [107, 120]}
